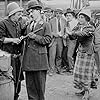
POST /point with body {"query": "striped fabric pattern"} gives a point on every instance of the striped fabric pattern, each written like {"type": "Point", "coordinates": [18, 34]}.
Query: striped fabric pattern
{"type": "Point", "coordinates": [79, 4]}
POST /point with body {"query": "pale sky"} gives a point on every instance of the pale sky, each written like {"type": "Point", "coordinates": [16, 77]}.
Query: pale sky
{"type": "Point", "coordinates": [66, 4]}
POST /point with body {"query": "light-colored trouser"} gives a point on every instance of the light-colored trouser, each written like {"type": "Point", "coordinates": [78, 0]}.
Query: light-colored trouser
{"type": "Point", "coordinates": [55, 53]}
{"type": "Point", "coordinates": [97, 57]}
{"type": "Point", "coordinates": [71, 48]}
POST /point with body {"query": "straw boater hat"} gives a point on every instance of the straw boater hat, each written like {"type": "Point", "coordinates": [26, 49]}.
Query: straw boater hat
{"type": "Point", "coordinates": [47, 9]}
{"type": "Point", "coordinates": [59, 10]}
{"type": "Point", "coordinates": [33, 4]}
{"type": "Point", "coordinates": [13, 8]}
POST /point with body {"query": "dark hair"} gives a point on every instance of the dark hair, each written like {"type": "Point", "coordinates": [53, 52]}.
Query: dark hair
{"type": "Point", "coordinates": [87, 18]}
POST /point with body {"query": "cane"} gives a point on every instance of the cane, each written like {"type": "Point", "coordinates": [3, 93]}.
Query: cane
{"type": "Point", "coordinates": [23, 57]}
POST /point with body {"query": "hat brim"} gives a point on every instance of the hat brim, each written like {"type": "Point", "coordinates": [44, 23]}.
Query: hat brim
{"type": "Point", "coordinates": [34, 7]}
{"type": "Point", "coordinates": [85, 15]}
{"type": "Point", "coordinates": [15, 11]}
{"type": "Point", "coordinates": [69, 12]}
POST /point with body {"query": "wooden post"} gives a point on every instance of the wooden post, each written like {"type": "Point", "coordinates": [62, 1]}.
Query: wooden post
{"type": "Point", "coordinates": [21, 3]}
{"type": "Point", "coordinates": [6, 2]}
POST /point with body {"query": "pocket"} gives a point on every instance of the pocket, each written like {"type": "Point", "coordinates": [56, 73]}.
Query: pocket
{"type": "Point", "coordinates": [43, 50]}
{"type": "Point", "coordinates": [33, 48]}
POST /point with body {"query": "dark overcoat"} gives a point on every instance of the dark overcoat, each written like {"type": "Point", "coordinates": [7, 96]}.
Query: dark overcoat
{"type": "Point", "coordinates": [9, 29]}
{"type": "Point", "coordinates": [35, 57]}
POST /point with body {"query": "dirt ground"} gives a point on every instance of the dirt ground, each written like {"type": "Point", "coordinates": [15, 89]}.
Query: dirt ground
{"type": "Point", "coordinates": [60, 87]}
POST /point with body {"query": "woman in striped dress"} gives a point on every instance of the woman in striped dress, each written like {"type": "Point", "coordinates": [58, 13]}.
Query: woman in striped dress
{"type": "Point", "coordinates": [85, 63]}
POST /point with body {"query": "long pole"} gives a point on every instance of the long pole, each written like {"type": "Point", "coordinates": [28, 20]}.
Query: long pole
{"type": "Point", "coordinates": [21, 3]}
{"type": "Point", "coordinates": [6, 2]}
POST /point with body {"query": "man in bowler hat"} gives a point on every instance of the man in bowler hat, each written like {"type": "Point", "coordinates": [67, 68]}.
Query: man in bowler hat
{"type": "Point", "coordinates": [35, 62]}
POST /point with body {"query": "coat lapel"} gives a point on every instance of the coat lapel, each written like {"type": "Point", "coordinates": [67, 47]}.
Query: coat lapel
{"type": "Point", "coordinates": [39, 25]}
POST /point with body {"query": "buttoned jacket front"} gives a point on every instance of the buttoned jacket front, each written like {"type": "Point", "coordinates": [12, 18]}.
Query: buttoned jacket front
{"type": "Point", "coordinates": [35, 57]}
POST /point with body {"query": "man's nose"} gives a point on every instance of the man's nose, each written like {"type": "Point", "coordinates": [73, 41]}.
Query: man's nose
{"type": "Point", "coordinates": [30, 15]}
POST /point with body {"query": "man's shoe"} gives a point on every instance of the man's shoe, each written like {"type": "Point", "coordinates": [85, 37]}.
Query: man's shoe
{"type": "Point", "coordinates": [80, 93]}
{"type": "Point", "coordinates": [50, 74]}
{"type": "Point", "coordinates": [16, 97]}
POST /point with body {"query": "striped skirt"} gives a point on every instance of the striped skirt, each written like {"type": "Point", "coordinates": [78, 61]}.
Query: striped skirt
{"type": "Point", "coordinates": [84, 70]}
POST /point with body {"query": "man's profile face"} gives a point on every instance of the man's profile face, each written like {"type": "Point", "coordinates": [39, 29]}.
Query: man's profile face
{"type": "Point", "coordinates": [18, 15]}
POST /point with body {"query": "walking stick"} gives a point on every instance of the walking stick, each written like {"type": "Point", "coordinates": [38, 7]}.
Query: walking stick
{"type": "Point", "coordinates": [23, 57]}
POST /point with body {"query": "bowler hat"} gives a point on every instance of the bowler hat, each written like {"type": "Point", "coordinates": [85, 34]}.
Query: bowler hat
{"type": "Point", "coordinates": [12, 8]}
{"type": "Point", "coordinates": [69, 11]}
{"type": "Point", "coordinates": [33, 4]}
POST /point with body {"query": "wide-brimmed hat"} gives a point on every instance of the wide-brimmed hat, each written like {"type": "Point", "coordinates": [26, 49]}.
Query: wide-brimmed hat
{"type": "Point", "coordinates": [58, 10]}
{"type": "Point", "coordinates": [33, 4]}
{"type": "Point", "coordinates": [13, 8]}
{"type": "Point", "coordinates": [69, 11]}
{"type": "Point", "coordinates": [86, 12]}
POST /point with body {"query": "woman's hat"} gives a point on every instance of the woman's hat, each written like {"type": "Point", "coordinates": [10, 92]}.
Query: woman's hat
{"type": "Point", "coordinates": [86, 12]}
{"type": "Point", "coordinates": [13, 8]}
{"type": "Point", "coordinates": [33, 4]}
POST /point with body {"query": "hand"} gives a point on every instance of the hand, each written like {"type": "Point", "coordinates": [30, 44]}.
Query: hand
{"type": "Point", "coordinates": [22, 37]}
{"type": "Point", "coordinates": [65, 36]}
{"type": "Point", "coordinates": [16, 40]}
{"type": "Point", "coordinates": [32, 35]}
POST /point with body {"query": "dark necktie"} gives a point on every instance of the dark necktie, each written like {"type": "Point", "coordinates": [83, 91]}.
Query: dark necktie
{"type": "Point", "coordinates": [68, 25]}
{"type": "Point", "coordinates": [59, 27]}
{"type": "Point", "coordinates": [33, 26]}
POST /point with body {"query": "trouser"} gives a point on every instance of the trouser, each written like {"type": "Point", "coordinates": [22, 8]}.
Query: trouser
{"type": "Point", "coordinates": [71, 48]}
{"type": "Point", "coordinates": [64, 57]}
{"type": "Point", "coordinates": [35, 84]}
{"type": "Point", "coordinates": [97, 59]}
{"type": "Point", "coordinates": [16, 95]}
{"type": "Point", "coordinates": [16, 64]}
{"type": "Point", "coordinates": [55, 54]}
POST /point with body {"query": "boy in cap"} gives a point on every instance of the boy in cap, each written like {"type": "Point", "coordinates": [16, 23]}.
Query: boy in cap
{"type": "Point", "coordinates": [10, 32]}
{"type": "Point", "coordinates": [35, 62]}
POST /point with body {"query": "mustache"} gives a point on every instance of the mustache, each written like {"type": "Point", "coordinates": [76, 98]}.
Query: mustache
{"type": "Point", "coordinates": [31, 16]}
{"type": "Point", "coordinates": [20, 18]}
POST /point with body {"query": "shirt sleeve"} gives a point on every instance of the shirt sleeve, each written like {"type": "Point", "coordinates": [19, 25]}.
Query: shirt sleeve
{"type": "Point", "coordinates": [87, 31]}
{"type": "Point", "coordinates": [2, 31]}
